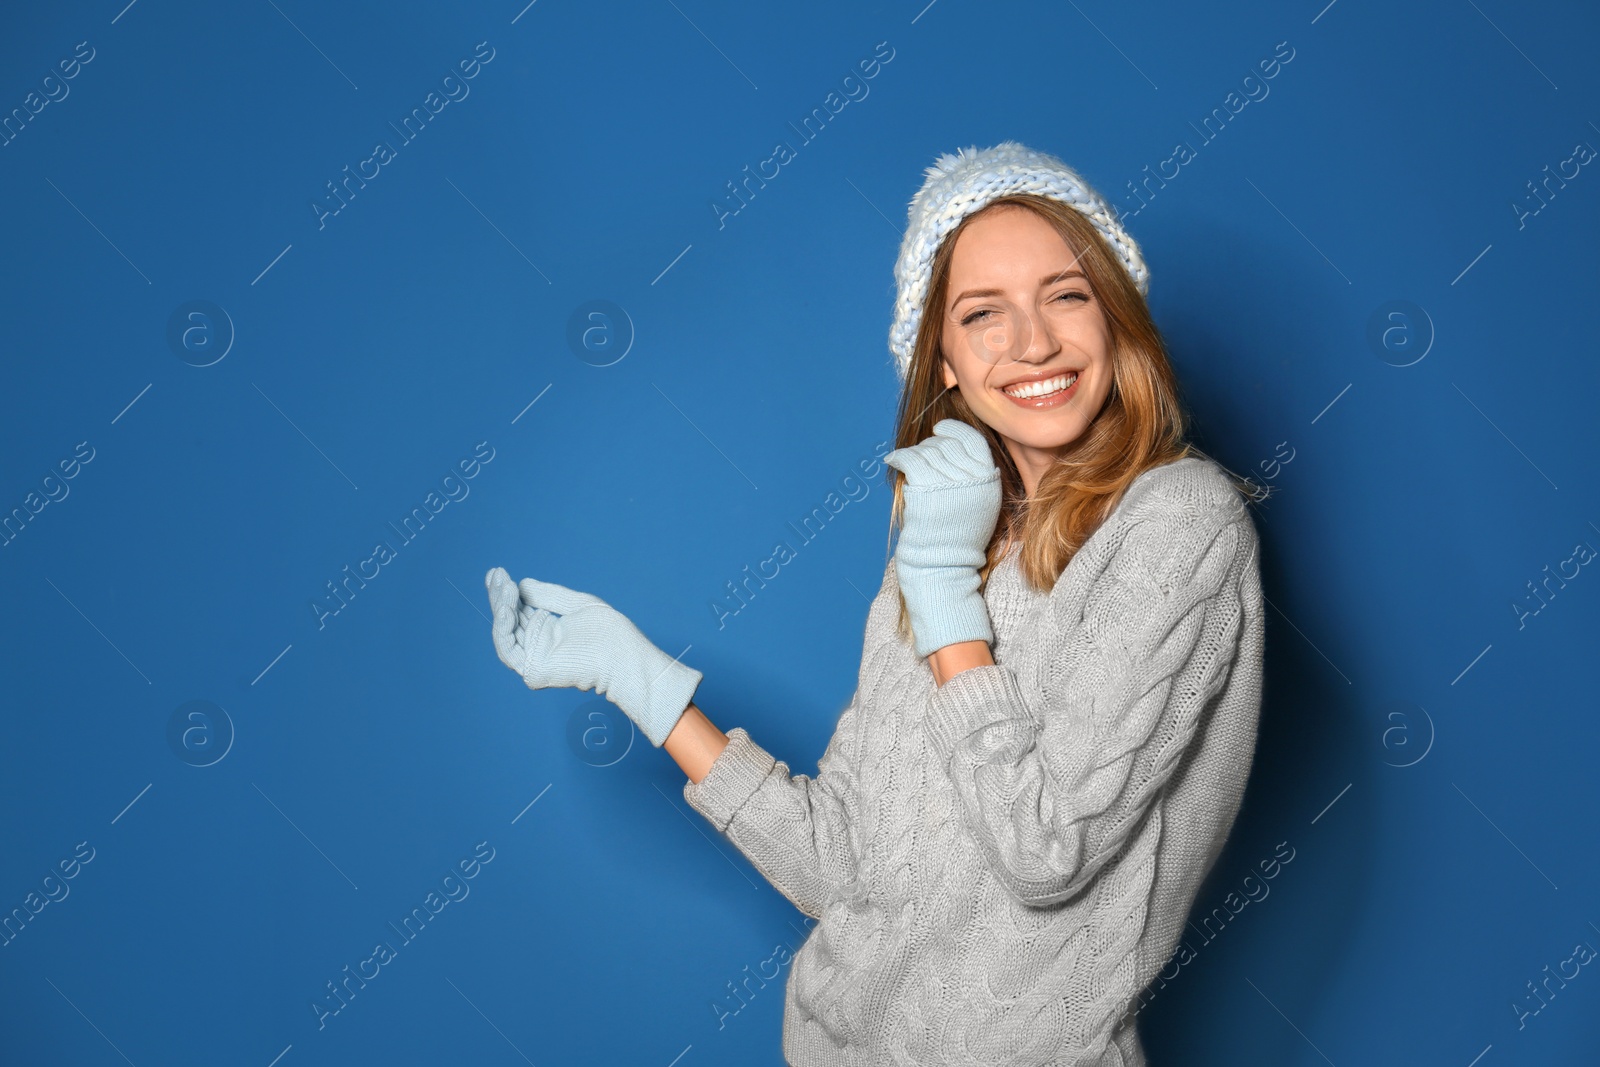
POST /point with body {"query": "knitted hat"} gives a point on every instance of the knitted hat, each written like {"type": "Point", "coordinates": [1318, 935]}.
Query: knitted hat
{"type": "Point", "coordinates": [960, 184]}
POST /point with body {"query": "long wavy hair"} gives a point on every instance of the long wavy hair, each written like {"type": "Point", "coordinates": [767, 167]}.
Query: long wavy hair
{"type": "Point", "coordinates": [1143, 423]}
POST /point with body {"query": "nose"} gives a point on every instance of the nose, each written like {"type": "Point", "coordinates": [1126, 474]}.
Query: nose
{"type": "Point", "coordinates": [1039, 343]}
{"type": "Point", "coordinates": [1019, 334]}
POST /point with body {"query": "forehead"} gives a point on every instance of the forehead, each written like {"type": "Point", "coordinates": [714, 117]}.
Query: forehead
{"type": "Point", "coordinates": [1007, 248]}
{"type": "Point", "coordinates": [1007, 236]}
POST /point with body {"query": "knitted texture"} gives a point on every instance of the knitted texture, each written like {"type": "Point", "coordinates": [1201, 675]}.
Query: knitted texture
{"type": "Point", "coordinates": [1002, 863]}
{"type": "Point", "coordinates": [555, 636]}
{"type": "Point", "coordinates": [952, 502]}
{"type": "Point", "coordinates": [961, 183]}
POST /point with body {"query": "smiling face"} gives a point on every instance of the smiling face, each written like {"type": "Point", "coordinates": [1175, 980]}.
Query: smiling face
{"type": "Point", "coordinates": [1019, 316]}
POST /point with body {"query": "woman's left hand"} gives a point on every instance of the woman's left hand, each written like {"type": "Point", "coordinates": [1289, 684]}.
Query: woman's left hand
{"type": "Point", "coordinates": [555, 636]}
{"type": "Point", "coordinates": [952, 503]}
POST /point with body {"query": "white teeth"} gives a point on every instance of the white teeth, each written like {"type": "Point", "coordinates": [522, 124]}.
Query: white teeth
{"type": "Point", "coordinates": [1043, 388]}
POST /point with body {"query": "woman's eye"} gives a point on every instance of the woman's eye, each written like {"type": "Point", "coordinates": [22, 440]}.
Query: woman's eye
{"type": "Point", "coordinates": [978, 316]}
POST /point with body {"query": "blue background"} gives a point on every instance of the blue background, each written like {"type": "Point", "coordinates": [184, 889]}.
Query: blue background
{"type": "Point", "coordinates": [1427, 748]}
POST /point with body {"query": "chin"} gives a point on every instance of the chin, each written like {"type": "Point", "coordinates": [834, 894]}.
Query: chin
{"type": "Point", "coordinates": [1045, 437]}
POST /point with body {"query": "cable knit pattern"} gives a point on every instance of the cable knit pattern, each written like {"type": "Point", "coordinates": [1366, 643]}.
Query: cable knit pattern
{"type": "Point", "coordinates": [999, 865]}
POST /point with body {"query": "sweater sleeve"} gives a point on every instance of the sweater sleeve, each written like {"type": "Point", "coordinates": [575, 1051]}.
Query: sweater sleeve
{"type": "Point", "coordinates": [795, 829]}
{"type": "Point", "coordinates": [1143, 634]}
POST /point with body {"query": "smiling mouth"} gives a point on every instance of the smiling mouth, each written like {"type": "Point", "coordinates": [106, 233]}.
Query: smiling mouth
{"type": "Point", "coordinates": [1047, 389]}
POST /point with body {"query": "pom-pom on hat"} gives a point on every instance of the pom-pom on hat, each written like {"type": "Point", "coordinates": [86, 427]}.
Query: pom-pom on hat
{"type": "Point", "coordinates": [958, 185]}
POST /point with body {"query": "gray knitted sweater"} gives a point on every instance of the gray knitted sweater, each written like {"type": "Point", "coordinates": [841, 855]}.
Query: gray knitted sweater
{"type": "Point", "coordinates": [999, 865]}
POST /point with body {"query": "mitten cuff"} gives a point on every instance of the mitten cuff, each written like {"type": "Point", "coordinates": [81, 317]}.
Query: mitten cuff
{"type": "Point", "coordinates": [949, 620]}
{"type": "Point", "coordinates": [668, 699]}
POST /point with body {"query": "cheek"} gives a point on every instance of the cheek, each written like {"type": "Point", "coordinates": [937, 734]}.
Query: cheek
{"type": "Point", "coordinates": [1102, 388]}
{"type": "Point", "coordinates": [1100, 365]}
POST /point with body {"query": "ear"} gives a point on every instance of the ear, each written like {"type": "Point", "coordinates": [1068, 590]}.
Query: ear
{"type": "Point", "coordinates": [949, 373]}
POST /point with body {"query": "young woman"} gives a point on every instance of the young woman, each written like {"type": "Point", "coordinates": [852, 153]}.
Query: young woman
{"type": "Point", "coordinates": [1056, 710]}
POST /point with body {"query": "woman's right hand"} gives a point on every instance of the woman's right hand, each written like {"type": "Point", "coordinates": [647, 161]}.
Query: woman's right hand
{"type": "Point", "coordinates": [952, 497]}
{"type": "Point", "coordinates": [555, 636]}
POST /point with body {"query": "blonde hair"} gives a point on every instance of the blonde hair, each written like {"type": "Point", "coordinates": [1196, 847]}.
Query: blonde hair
{"type": "Point", "coordinates": [1142, 424]}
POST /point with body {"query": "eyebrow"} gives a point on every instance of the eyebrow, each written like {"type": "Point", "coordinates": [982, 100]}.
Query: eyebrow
{"type": "Point", "coordinates": [1057, 276]}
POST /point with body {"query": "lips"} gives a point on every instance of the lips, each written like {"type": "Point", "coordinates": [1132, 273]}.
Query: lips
{"type": "Point", "coordinates": [1040, 385]}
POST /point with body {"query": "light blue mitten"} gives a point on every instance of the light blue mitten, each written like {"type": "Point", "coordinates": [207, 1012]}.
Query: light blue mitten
{"type": "Point", "coordinates": [952, 502]}
{"type": "Point", "coordinates": [555, 636]}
